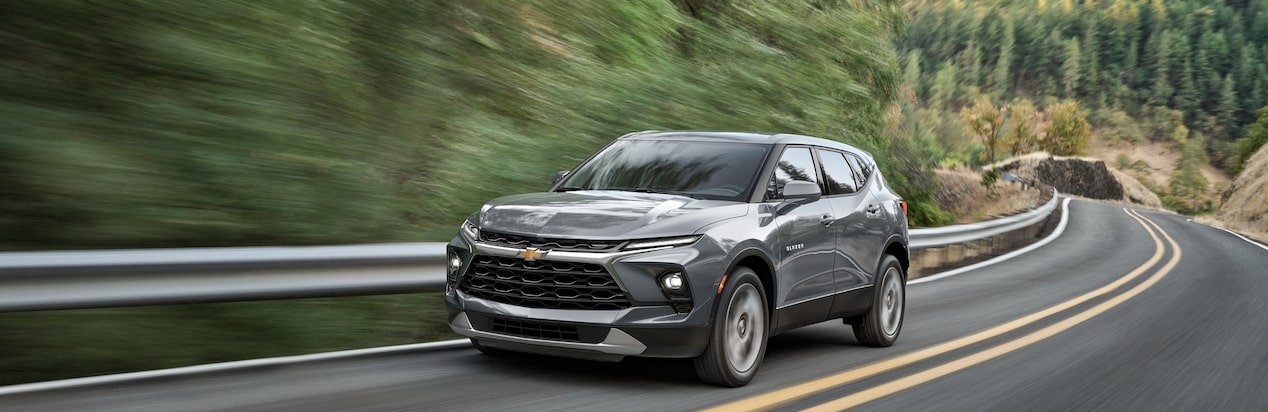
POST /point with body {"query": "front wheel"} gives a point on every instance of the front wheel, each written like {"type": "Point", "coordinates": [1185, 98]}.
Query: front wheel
{"type": "Point", "coordinates": [881, 324]}
{"type": "Point", "coordinates": [737, 342]}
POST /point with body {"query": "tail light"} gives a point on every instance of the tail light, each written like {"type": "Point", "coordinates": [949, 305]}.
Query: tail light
{"type": "Point", "coordinates": [904, 205]}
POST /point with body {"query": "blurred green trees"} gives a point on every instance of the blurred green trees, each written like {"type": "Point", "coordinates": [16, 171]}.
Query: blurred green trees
{"type": "Point", "coordinates": [1202, 60]}
{"type": "Point", "coordinates": [174, 123]}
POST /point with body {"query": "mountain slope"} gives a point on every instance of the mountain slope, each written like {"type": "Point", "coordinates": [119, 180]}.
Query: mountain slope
{"type": "Point", "coordinates": [1246, 201]}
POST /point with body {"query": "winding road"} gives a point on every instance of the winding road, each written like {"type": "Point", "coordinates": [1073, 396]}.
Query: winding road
{"type": "Point", "coordinates": [1126, 310]}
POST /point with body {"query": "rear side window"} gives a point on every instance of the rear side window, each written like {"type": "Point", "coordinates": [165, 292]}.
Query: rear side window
{"type": "Point", "coordinates": [795, 164]}
{"type": "Point", "coordinates": [837, 174]}
{"type": "Point", "coordinates": [861, 167]}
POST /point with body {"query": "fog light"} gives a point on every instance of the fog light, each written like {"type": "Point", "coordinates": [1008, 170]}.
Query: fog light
{"type": "Point", "coordinates": [454, 263]}
{"type": "Point", "coordinates": [672, 281]}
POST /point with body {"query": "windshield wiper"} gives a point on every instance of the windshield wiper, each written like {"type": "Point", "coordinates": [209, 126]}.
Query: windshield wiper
{"type": "Point", "coordinates": [569, 189]}
{"type": "Point", "coordinates": [661, 191]}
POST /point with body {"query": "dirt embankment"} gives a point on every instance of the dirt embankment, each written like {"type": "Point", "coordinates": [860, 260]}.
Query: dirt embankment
{"type": "Point", "coordinates": [1082, 177]}
{"type": "Point", "coordinates": [1246, 200]}
{"type": "Point", "coordinates": [960, 192]}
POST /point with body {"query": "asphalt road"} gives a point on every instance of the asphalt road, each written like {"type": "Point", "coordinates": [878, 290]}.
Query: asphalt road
{"type": "Point", "coordinates": [1115, 314]}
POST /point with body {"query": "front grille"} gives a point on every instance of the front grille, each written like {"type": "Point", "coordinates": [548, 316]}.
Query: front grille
{"type": "Point", "coordinates": [571, 245]}
{"type": "Point", "coordinates": [536, 330]}
{"type": "Point", "coordinates": [543, 284]}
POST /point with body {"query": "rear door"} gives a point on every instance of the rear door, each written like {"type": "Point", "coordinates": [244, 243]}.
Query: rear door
{"type": "Point", "coordinates": [848, 198]}
{"type": "Point", "coordinates": [867, 244]}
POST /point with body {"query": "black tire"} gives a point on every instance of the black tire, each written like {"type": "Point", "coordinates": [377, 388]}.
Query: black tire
{"type": "Point", "coordinates": [741, 325]}
{"type": "Point", "coordinates": [881, 324]}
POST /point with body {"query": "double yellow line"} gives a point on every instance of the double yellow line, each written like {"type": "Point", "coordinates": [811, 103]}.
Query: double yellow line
{"type": "Point", "coordinates": [782, 396]}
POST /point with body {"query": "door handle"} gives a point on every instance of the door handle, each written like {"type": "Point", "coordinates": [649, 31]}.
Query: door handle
{"type": "Point", "coordinates": [873, 208]}
{"type": "Point", "coordinates": [827, 220]}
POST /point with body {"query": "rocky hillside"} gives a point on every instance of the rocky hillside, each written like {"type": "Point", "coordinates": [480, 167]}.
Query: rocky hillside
{"type": "Point", "coordinates": [1082, 177]}
{"type": "Point", "coordinates": [1246, 201]}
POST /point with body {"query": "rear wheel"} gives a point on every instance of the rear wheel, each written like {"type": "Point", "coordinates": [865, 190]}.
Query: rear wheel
{"type": "Point", "coordinates": [737, 342]}
{"type": "Point", "coordinates": [882, 323]}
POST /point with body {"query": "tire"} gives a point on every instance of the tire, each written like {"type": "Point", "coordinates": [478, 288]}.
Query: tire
{"type": "Point", "coordinates": [740, 326]}
{"type": "Point", "coordinates": [882, 323]}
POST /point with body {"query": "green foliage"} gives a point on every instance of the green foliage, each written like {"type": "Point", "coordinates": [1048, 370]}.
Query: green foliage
{"type": "Point", "coordinates": [1070, 71]}
{"type": "Point", "coordinates": [1118, 127]}
{"type": "Point", "coordinates": [1068, 129]}
{"type": "Point", "coordinates": [1256, 137]}
{"type": "Point", "coordinates": [929, 213]}
{"type": "Point", "coordinates": [1024, 126]}
{"type": "Point", "coordinates": [144, 124]}
{"type": "Point", "coordinates": [990, 178]}
{"type": "Point", "coordinates": [986, 121]}
{"type": "Point", "coordinates": [1124, 162]}
{"type": "Point", "coordinates": [1187, 182]}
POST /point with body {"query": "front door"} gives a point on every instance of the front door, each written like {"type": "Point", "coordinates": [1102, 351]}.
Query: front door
{"type": "Point", "coordinates": [806, 246]}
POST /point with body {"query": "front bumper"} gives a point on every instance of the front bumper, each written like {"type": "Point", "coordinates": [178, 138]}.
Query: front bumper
{"type": "Point", "coordinates": [650, 326]}
{"type": "Point", "coordinates": [595, 341]}
{"type": "Point", "coordinates": [616, 342]}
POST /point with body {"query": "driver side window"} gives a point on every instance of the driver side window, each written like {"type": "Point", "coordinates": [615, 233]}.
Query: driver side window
{"type": "Point", "coordinates": [795, 164]}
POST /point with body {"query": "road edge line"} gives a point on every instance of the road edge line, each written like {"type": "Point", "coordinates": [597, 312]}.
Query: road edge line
{"type": "Point", "coordinates": [1239, 235]}
{"type": "Point", "coordinates": [23, 388]}
{"type": "Point", "coordinates": [1065, 218]}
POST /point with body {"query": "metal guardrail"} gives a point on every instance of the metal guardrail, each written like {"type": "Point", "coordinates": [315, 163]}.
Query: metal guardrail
{"type": "Point", "coordinates": [110, 278]}
{"type": "Point", "coordinates": [954, 234]}
{"type": "Point", "coordinates": [32, 281]}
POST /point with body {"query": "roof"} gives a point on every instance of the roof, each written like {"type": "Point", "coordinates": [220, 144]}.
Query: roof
{"type": "Point", "coordinates": [745, 137]}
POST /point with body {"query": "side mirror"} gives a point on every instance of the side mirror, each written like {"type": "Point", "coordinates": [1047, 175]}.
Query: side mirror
{"type": "Point", "coordinates": [797, 193]}
{"type": "Point", "coordinates": [802, 191]}
{"type": "Point", "coordinates": [559, 177]}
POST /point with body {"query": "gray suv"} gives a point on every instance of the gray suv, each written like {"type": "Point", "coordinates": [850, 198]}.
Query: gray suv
{"type": "Point", "coordinates": [685, 245]}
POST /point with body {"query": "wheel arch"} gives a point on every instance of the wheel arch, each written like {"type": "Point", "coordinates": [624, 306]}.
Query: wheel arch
{"type": "Point", "coordinates": [897, 248]}
{"type": "Point", "coordinates": [757, 260]}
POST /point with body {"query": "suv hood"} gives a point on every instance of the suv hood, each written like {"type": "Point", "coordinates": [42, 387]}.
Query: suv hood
{"type": "Point", "coordinates": [604, 214]}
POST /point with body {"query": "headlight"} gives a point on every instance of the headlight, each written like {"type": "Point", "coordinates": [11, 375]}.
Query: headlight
{"type": "Point", "coordinates": [654, 243]}
{"type": "Point", "coordinates": [471, 230]}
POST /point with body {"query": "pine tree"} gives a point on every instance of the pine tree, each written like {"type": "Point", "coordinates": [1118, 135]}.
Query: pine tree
{"type": "Point", "coordinates": [945, 87]}
{"type": "Point", "coordinates": [1186, 98]}
{"type": "Point", "coordinates": [1244, 77]}
{"type": "Point", "coordinates": [1054, 52]}
{"type": "Point", "coordinates": [971, 59]}
{"type": "Point", "coordinates": [1187, 182]}
{"type": "Point", "coordinates": [911, 71]}
{"type": "Point", "coordinates": [1001, 77]}
{"type": "Point", "coordinates": [1070, 67]}
{"type": "Point", "coordinates": [1226, 116]}
{"type": "Point", "coordinates": [1162, 84]}
{"type": "Point", "coordinates": [1088, 59]}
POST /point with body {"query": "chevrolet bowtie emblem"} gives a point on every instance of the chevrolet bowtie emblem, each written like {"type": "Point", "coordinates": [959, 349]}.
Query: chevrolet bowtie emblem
{"type": "Point", "coordinates": [531, 254]}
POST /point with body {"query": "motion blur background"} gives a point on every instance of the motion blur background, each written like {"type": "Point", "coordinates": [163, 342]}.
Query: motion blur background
{"type": "Point", "coordinates": [210, 123]}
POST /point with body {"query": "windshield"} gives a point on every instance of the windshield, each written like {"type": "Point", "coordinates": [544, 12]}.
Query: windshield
{"type": "Point", "coordinates": [705, 170]}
